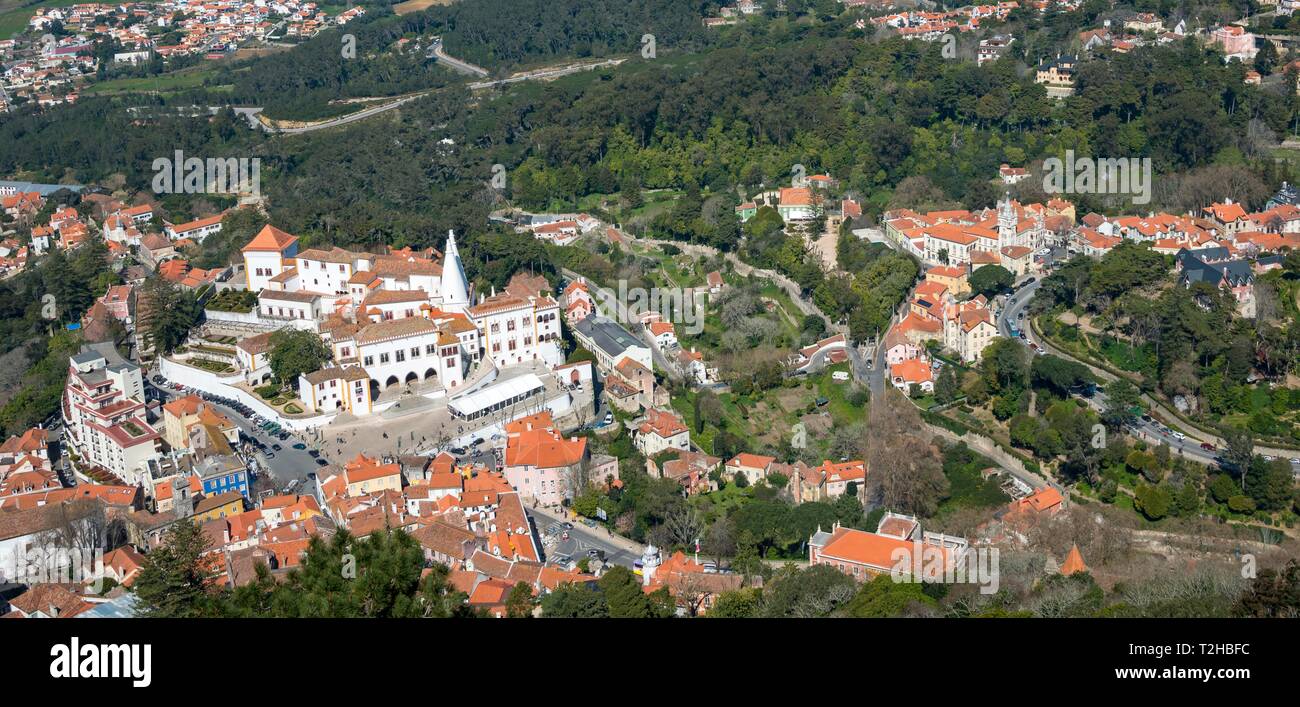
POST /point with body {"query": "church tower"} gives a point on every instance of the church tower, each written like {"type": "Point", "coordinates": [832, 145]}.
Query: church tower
{"type": "Point", "coordinates": [1007, 224]}
{"type": "Point", "coordinates": [455, 288]}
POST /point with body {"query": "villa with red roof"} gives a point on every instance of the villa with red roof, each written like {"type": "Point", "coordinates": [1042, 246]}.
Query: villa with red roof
{"type": "Point", "coordinates": [863, 555]}
{"type": "Point", "coordinates": [540, 463]}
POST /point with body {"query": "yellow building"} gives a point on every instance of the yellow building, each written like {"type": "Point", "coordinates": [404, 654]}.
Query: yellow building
{"type": "Point", "coordinates": [181, 414]}
{"type": "Point", "coordinates": [222, 505]}
{"type": "Point", "coordinates": [950, 276]}
{"type": "Point", "coordinates": [365, 476]}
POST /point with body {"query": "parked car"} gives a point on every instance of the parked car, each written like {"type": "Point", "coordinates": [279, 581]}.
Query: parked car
{"type": "Point", "coordinates": [321, 462]}
{"type": "Point", "coordinates": [276, 447]}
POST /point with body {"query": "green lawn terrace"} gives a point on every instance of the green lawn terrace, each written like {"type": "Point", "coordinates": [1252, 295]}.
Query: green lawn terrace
{"type": "Point", "coordinates": [766, 418]}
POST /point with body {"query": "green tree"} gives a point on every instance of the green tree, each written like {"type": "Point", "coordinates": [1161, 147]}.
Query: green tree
{"type": "Point", "coordinates": [1273, 593]}
{"type": "Point", "coordinates": [575, 601]}
{"type": "Point", "coordinates": [991, 280]}
{"type": "Point", "coordinates": [294, 352]}
{"type": "Point", "coordinates": [172, 312]}
{"type": "Point", "coordinates": [1270, 484]}
{"type": "Point", "coordinates": [378, 576]}
{"type": "Point", "coordinates": [739, 604]}
{"type": "Point", "coordinates": [519, 603]}
{"type": "Point", "coordinates": [1004, 366]}
{"type": "Point", "coordinates": [883, 598]}
{"type": "Point", "coordinates": [1152, 501]}
{"type": "Point", "coordinates": [1121, 398]}
{"type": "Point", "coordinates": [947, 387]}
{"type": "Point", "coordinates": [624, 596]}
{"type": "Point", "coordinates": [174, 580]}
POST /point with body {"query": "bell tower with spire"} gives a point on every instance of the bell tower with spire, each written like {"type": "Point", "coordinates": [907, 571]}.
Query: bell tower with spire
{"type": "Point", "coordinates": [455, 288]}
{"type": "Point", "coordinates": [1007, 223]}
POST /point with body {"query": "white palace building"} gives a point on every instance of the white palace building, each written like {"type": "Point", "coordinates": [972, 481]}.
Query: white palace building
{"type": "Point", "coordinates": [396, 318]}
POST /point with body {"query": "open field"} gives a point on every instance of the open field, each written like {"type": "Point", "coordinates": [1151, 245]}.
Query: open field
{"type": "Point", "coordinates": [413, 6]}
{"type": "Point", "coordinates": [15, 13]}
{"type": "Point", "coordinates": [178, 81]}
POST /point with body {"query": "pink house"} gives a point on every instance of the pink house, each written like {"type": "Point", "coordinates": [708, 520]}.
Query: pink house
{"type": "Point", "coordinates": [899, 348]}
{"type": "Point", "coordinates": [539, 462]}
{"type": "Point", "coordinates": [1235, 41]}
{"type": "Point", "coordinates": [119, 301]}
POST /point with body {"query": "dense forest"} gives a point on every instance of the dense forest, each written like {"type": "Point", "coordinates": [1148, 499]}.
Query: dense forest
{"type": "Point", "coordinates": [780, 93]}
{"type": "Point", "coordinates": [893, 120]}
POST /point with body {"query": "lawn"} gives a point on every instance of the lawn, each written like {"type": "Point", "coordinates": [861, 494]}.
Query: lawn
{"type": "Point", "coordinates": [966, 487]}
{"type": "Point", "coordinates": [1126, 357]}
{"type": "Point", "coordinates": [163, 83]}
{"type": "Point", "coordinates": [769, 418]}
{"type": "Point", "coordinates": [13, 19]}
{"type": "Point", "coordinates": [413, 6]}
{"type": "Point", "coordinates": [655, 202]}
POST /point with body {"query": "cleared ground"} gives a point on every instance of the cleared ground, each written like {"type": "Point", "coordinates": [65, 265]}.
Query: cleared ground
{"type": "Point", "coordinates": [412, 6]}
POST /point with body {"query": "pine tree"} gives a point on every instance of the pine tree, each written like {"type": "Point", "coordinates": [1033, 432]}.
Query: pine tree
{"type": "Point", "coordinates": [174, 581]}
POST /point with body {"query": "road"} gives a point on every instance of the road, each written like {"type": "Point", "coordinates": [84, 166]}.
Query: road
{"type": "Point", "coordinates": [1189, 447]}
{"type": "Point", "coordinates": [436, 52]}
{"type": "Point", "coordinates": [287, 465]}
{"type": "Point", "coordinates": [618, 549]}
{"type": "Point", "coordinates": [539, 75]}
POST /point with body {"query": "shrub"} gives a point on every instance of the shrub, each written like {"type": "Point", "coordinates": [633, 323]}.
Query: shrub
{"type": "Point", "coordinates": [1241, 504]}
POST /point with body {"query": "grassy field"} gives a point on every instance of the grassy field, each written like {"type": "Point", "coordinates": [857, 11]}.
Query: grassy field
{"type": "Point", "coordinates": [14, 15]}
{"type": "Point", "coordinates": [769, 418]}
{"type": "Point", "coordinates": [179, 81]}
{"type": "Point", "coordinates": [412, 6]}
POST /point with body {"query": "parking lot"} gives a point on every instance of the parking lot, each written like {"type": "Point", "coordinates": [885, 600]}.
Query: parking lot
{"type": "Point", "coordinates": [277, 457]}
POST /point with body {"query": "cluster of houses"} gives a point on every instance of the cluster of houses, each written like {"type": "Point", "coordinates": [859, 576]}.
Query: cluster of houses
{"type": "Point", "coordinates": [864, 555]}
{"type": "Point", "coordinates": [803, 202]}
{"type": "Point", "coordinates": [1222, 244]}
{"type": "Point", "coordinates": [565, 229]}
{"type": "Point", "coordinates": [731, 14]}
{"type": "Point", "coordinates": [1007, 235]}
{"type": "Point", "coordinates": [932, 25]}
{"type": "Point", "coordinates": [940, 310]}
{"type": "Point", "coordinates": [49, 72]}
{"type": "Point", "coordinates": [140, 503]}
{"type": "Point", "coordinates": [125, 229]}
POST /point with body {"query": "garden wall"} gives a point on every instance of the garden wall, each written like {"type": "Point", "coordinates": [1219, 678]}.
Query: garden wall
{"type": "Point", "coordinates": [224, 386]}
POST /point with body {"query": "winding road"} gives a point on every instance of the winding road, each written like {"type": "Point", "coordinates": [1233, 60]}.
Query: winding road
{"type": "Point", "coordinates": [251, 113]}
{"type": "Point", "coordinates": [1188, 446]}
